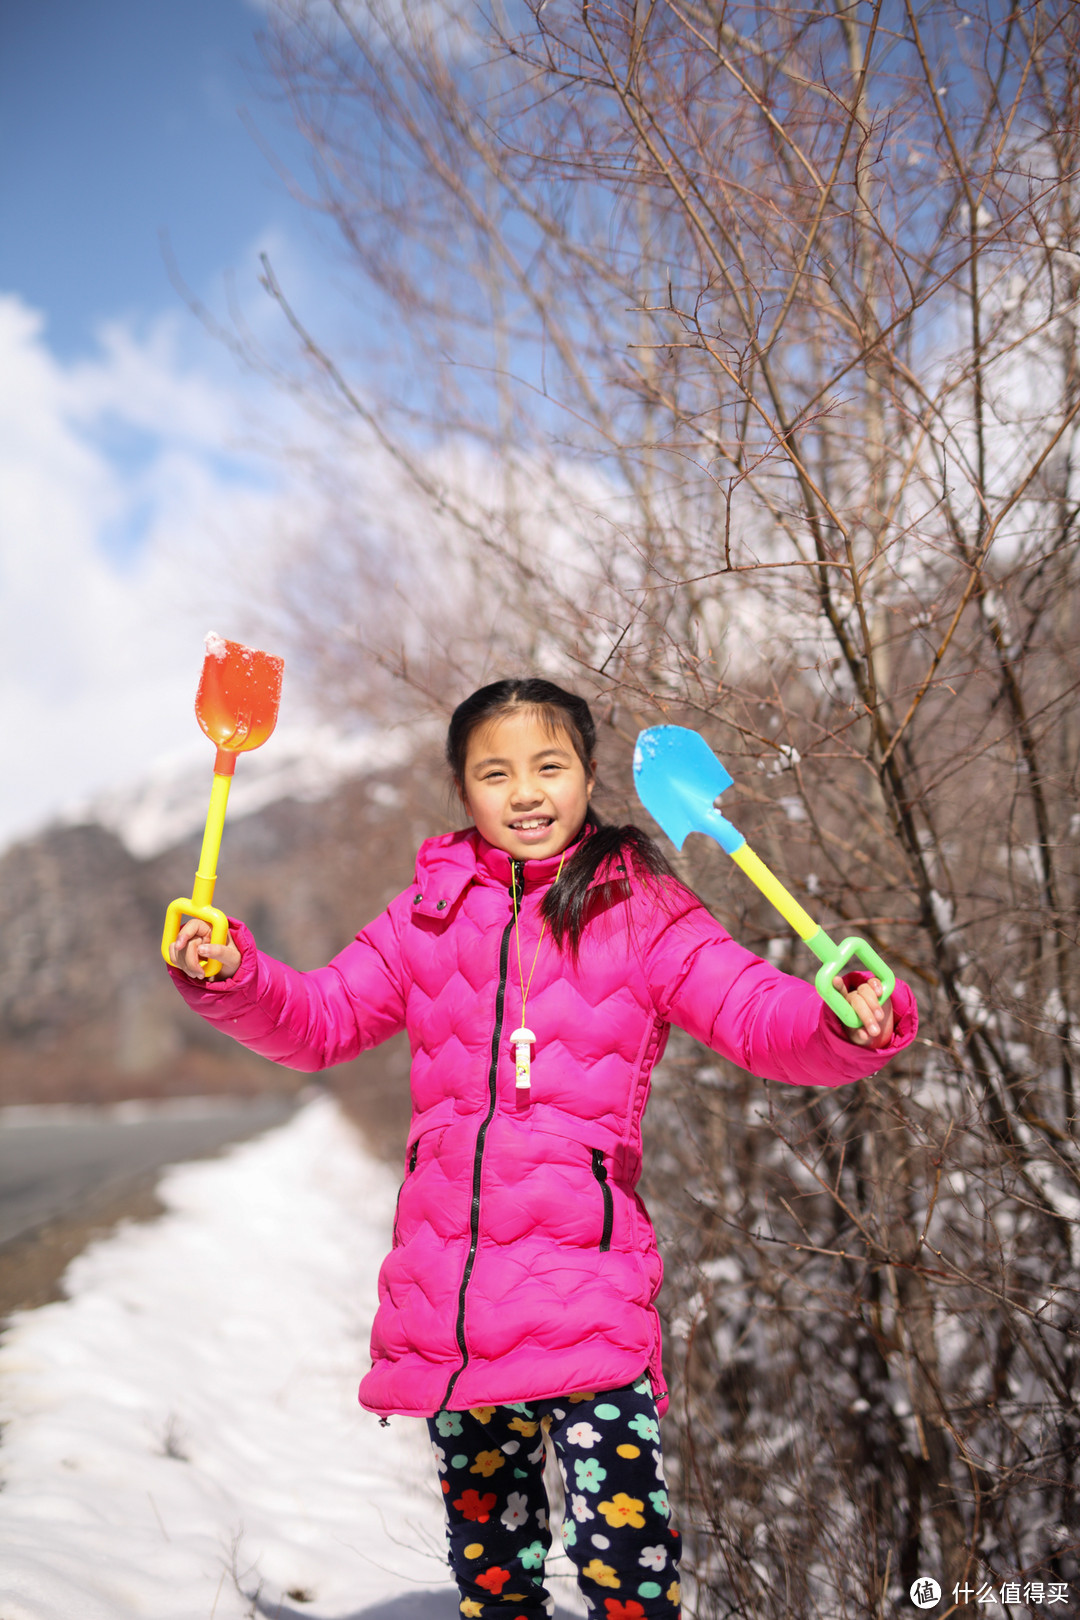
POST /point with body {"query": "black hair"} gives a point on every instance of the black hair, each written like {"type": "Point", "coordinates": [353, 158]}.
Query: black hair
{"type": "Point", "coordinates": [566, 904]}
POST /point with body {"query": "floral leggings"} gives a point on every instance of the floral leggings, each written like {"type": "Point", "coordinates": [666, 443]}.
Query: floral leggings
{"type": "Point", "coordinates": [617, 1529]}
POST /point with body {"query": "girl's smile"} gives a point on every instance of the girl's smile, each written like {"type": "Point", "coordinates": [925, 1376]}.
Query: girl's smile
{"type": "Point", "coordinates": [525, 786]}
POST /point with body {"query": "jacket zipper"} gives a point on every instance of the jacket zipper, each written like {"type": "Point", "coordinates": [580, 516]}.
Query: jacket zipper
{"type": "Point", "coordinates": [599, 1170]}
{"type": "Point", "coordinates": [409, 1168]}
{"type": "Point", "coordinates": [481, 1136]}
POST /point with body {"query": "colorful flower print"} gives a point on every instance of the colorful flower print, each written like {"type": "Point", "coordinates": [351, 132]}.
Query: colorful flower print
{"type": "Point", "coordinates": [476, 1507]}
{"type": "Point", "coordinates": [674, 1593]}
{"type": "Point", "coordinates": [652, 1558]}
{"type": "Point", "coordinates": [541, 1518]}
{"type": "Point", "coordinates": [616, 1610]}
{"type": "Point", "coordinates": [493, 1580]}
{"type": "Point", "coordinates": [471, 1609]}
{"type": "Point", "coordinates": [581, 1510]}
{"type": "Point", "coordinates": [523, 1427]}
{"type": "Point", "coordinates": [475, 1549]}
{"type": "Point", "coordinates": [603, 1574]}
{"type": "Point", "coordinates": [583, 1395]}
{"type": "Point", "coordinates": [532, 1556]}
{"type": "Point", "coordinates": [440, 1458]}
{"type": "Point", "coordinates": [569, 1532]}
{"type": "Point", "coordinates": [623, 1510]}
{"type": "Point", "coordinates": [516, 1511]}
{"type": "Point", "coordinates": [487, 1462]}
{"type": "Point", "coordinates": [646, 1427]}
{"type": "Point", "coordinates": [518, 1406]}
{"type": "Point", "coordinates": [661, 1505]}
{"type": "Point", "coordinates": [448, 1423]}
{"type": "Point", "coordinates": [589, 1474]}
{"type": "Point", "coordinates": [535, 1456]}
{"type": "Point", "coordinates": [482, 1414]}
{"type": "Point", "coordinates": [510, 1447]}
{"type": "Point", "coordinates": [583, 1435]}
{"type": "Point", "coordinates": [658, 1459]}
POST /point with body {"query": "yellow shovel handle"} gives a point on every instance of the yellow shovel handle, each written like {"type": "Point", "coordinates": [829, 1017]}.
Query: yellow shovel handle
{"type": "Point", "coordinates": [773, 890]}
{"type": "Point", "coordinates": [197, 904]}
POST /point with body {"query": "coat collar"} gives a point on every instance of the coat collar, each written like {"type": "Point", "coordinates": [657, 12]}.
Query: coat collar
{"type": "Point", "coordinates": [446, 866]}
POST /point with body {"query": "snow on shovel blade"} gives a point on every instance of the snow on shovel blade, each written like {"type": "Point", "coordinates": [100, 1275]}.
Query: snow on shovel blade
{"type": "Point", "coordinates": [677, 777]}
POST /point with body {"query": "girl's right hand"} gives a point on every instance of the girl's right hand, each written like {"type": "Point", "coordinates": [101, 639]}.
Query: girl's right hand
{"type": "Point", "coordinates": [192, 946]}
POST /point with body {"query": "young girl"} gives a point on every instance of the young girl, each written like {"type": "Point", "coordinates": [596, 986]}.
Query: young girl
{"type": "Point", "coordinates": [537, 963]}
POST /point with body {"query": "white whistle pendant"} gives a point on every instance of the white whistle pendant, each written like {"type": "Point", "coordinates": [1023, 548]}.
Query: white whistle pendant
{"type": "Point", "coordinates": [521, 1040]}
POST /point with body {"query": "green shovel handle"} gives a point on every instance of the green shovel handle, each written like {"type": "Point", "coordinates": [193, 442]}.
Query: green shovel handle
{"type": "Point", "coordinates": [834, 959]}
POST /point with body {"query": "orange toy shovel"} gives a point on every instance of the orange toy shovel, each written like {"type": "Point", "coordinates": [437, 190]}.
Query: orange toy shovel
{"type": "Point", "coordinates": [237, 706]}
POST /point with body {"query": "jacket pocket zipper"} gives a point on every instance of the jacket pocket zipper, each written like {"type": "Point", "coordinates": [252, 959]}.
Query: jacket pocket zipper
{"type": "Point", "coordinates": [599, 1170]}
{"type": "Point", "coordinates": [409, 1168]}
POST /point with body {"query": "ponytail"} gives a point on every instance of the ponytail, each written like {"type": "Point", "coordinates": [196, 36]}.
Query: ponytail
{"type": "Point", "coordinates": [624, 851]}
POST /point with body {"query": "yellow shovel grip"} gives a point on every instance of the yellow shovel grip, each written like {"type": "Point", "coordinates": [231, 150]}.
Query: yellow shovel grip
{"type": "Point", "coordinates": [174, 921]}
{"type": "Point", "coordinates": [773, 890]}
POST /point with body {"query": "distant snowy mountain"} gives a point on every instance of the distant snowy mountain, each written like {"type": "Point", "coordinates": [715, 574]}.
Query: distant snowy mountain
{"type": "Point", "coordinates": [169, 805]}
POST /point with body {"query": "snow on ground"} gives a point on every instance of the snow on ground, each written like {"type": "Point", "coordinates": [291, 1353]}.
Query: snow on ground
{"type": "Point", "coordinates": [181, 1436]}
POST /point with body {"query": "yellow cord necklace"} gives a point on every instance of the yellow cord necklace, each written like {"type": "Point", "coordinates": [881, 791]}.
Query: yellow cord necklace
{"type": "Point", "coordinates": [523, 1039]}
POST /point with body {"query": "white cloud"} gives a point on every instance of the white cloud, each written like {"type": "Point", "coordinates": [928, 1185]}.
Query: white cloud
{"type": "Point", "coordinates": [129, 514]}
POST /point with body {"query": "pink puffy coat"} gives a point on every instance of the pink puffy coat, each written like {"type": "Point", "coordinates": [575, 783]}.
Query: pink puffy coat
{"type": "Point", "coordinates": [524, 1263]}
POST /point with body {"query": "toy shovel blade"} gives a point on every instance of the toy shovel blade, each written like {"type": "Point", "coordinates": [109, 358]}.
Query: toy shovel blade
{"type": "Point", "coordinates": [238, 697]}
{"type": "Point", "coordinates": [677, 777]}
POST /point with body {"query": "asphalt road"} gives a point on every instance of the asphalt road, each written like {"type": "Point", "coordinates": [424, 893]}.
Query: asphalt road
{"type": "Point", "coordinates": [56, 1161]}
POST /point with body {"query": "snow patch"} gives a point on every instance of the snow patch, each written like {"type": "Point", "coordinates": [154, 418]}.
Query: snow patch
{"type": "Point", "coordinates": [191, 1410]}
{"type": "Point", "coordinates": [182, 1433]}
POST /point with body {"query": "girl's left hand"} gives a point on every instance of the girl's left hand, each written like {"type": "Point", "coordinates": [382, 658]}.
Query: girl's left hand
{"type": "Point", "coordinates": [876, 1017]}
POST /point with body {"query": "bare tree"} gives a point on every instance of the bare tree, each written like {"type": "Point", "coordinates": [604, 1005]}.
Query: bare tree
{"type": "Point", "coordinates": [732, 357]}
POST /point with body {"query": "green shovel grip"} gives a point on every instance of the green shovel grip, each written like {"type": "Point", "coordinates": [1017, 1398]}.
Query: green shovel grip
{"type": "Point", "coordinates": [834, 959]}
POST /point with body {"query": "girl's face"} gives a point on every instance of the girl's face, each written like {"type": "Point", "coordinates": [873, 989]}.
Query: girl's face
{"type": "Point", "coordinates": [525, 787]}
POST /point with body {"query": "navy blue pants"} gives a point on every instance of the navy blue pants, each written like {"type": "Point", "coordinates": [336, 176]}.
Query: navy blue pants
{"type": "Point", "coordinates": [617, 1530]}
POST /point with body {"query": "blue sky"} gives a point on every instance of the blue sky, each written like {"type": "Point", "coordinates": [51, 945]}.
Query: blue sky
{"type": "Point", "coordinates": [121, 120]}
{"type": "Point", "coordinates": [137, 494]}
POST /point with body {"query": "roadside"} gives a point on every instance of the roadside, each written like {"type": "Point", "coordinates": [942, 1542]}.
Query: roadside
{"type": "Point", "coordinates": [69, 1175]}
{"type": "Point", "coordinates": [181, 1435]}
{"type": "Point", "coordinates": [32, 1265]}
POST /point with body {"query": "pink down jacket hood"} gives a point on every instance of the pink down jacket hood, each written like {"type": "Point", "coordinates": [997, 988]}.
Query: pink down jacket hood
{"type": "Point", "coordinates": [524, 1264]}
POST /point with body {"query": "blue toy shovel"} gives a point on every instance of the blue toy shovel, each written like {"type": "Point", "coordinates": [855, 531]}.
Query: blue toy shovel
{"type": "Point", "coordinates": [678, 777]}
